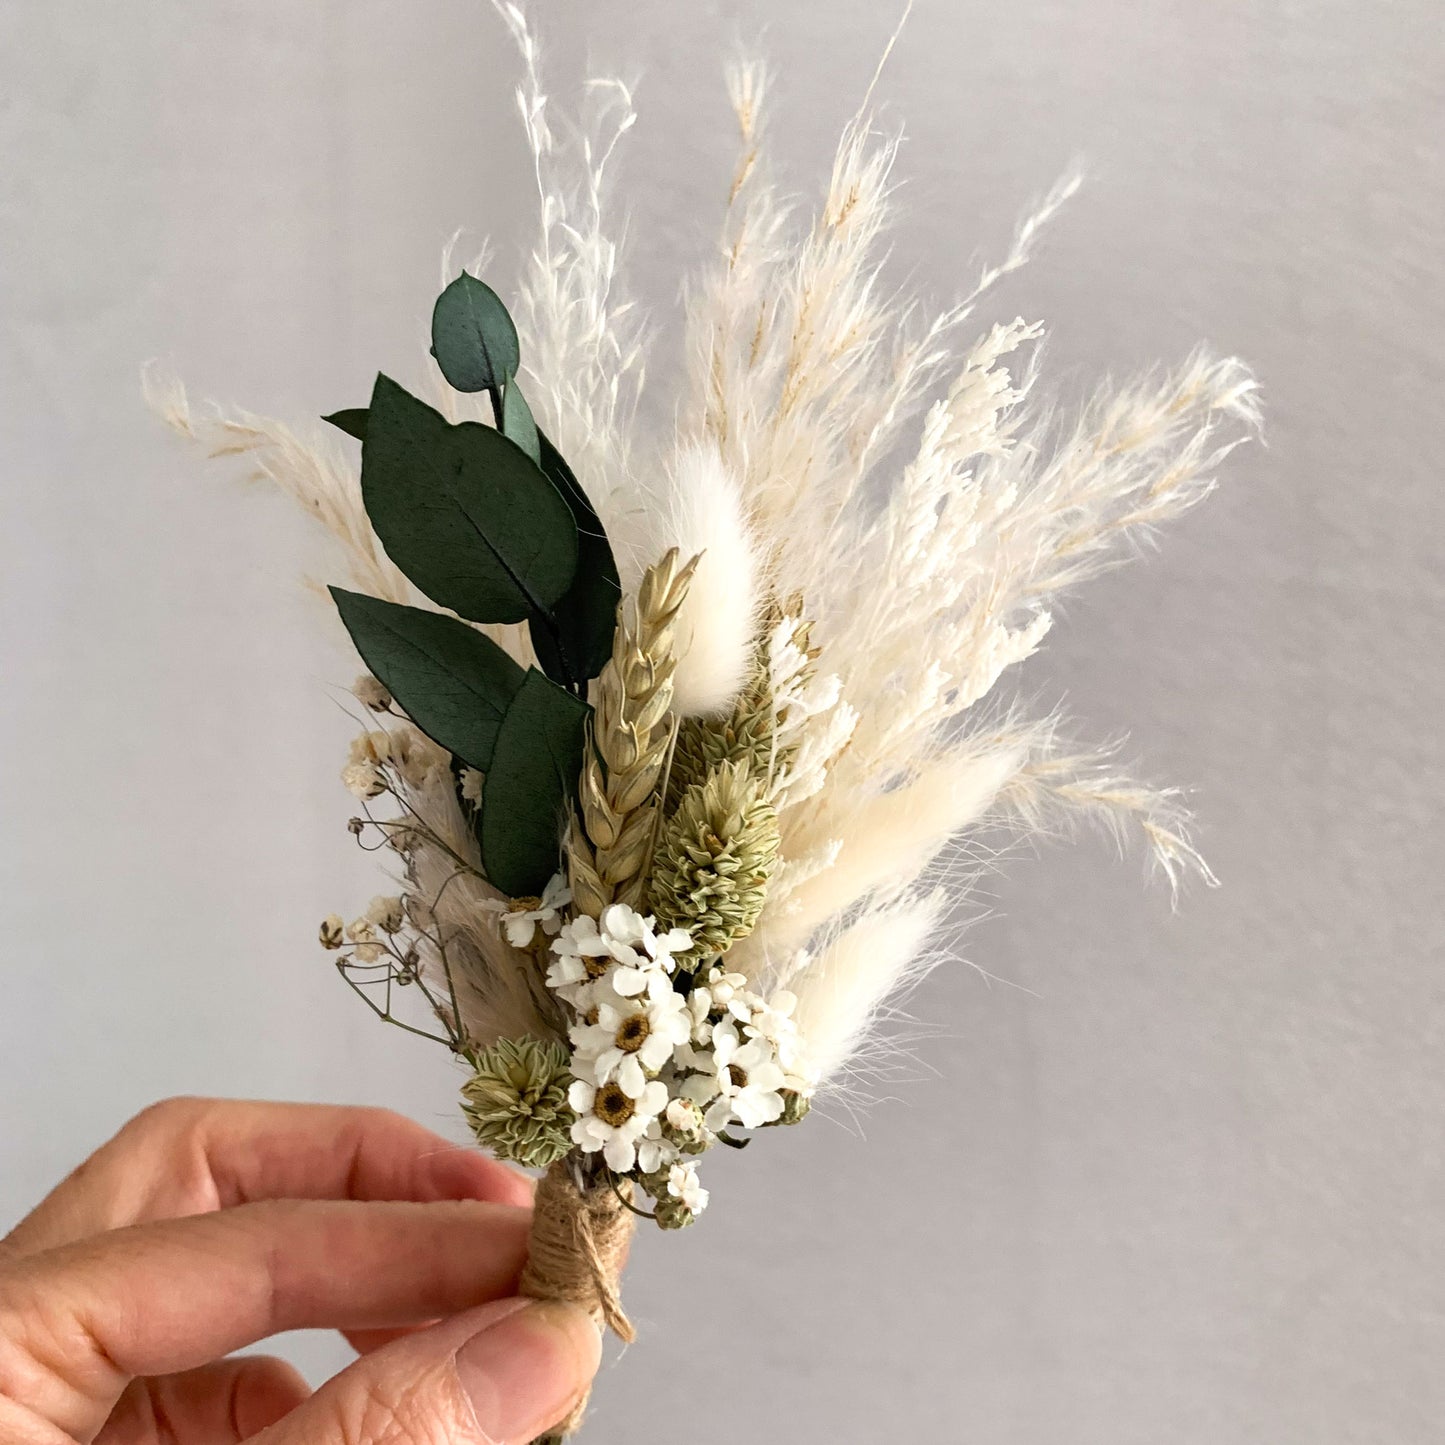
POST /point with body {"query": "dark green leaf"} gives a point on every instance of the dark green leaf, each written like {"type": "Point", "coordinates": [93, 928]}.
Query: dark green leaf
{"type": "Point", "coordinates": [579, 642]}
{"type": "Point", "coordinates": [517, 423]}
{"type": "Point", "coordinates": [535, 767]}
{"type": "Point", "coordinates": [454, 683]}
{"type": "Point", "coordinates": [464, 512]}
{"type": "Point", "coordinates": [352, 421]}
{"type": "Point", "coordinates": [473, 338]}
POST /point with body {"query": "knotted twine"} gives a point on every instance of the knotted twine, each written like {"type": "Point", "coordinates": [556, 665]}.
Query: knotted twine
{"type": "Point", "coordinates": [576, 1252]}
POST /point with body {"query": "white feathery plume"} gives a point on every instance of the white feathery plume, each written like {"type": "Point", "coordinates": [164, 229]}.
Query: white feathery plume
{"type": "Point", "coordinates": [879, 843]}
{"type": "Point", "coordinates": [1058, 787]}
{"type": "Point", "coordinates": [841, 990]}
{"type": "Point", "coordinates": [803, 372]}
{"type": "Point", "coordinates": [313, 473]}
{"type": "Point", "coordinates": [697, 507]}
{"type": "Point", "coordinates": [583, 345]}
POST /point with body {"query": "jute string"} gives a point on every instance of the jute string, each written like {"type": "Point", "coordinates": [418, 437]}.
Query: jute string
{"type": "Point", "coordinates": [576, 1253]}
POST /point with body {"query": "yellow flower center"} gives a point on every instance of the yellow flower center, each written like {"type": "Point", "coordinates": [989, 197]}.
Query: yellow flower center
{"type": "Point", "coordinates": [612, 1106]}
{"type": "Point", "coordinates": [595, 967]}
{"type": "Point", "coordinates": [633, 1033]}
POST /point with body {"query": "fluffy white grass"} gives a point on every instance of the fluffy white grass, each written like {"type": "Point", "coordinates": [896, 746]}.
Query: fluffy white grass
{"type": "Point", "coordinates": [805, 372]}
{"type": "Point", "coordinates": [312, 472]}
{"type": "Point", "coordinates": [854, 975]}
{"type": "Point", "coordinates": [697, 507]}
{"type": "Point", "coordinates": [583, 344]}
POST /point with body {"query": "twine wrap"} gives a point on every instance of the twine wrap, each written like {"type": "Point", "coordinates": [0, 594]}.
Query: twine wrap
{"type": "Point", "coordinates": [576, 1252]}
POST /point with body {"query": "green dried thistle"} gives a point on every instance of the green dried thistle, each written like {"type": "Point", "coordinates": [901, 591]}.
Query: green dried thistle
{"type": "Point", "coordinates": [713, 861]}
{"type": "Point", "coordinates": [516, 1101]}
{"type": "Point", "coordinates": [706, 744]}
{"type": "Point", "coordinates": [748, 734]}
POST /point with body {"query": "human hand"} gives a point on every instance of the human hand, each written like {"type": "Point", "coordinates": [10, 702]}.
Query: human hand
{"type": "Point", "coordinates": [205, 1226]}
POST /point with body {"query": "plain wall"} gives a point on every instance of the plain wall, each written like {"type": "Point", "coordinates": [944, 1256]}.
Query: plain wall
{"type": "Point", "coordinates": [1178, 1177]}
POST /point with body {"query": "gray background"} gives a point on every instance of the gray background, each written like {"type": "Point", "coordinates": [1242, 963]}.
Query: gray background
{"type": "Point", "coordinates": [1183, 1182]}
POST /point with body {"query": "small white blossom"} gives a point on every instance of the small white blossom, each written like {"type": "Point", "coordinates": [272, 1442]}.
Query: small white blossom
{"type": "Point", "coordinates": [684, 1116]}
{"type": "Point", "coordinates": [773, 1018]}
{"type": "Point", "coordinates": [736, 1080]}
{"type": "Point", "coordinates": [699, 1007]}
{"type": "Point", "coordinates": [683, 1185]}
{"type": "Point", "coordinates": [631, 1038]}
{"type": "Point", "coordinates": [726, 990]}
{"type": "Point", "coordinates": [612, 1122]}
{"type": "Point", "coordinates": [371, 693]}
{"type": "Point", "coordinates": [362, 932]}
{"type": "Point", "coordinates": [520, 923]}
{"type": "Point", "coordinates": [386, 914]}
{"type": "Point", "coordinates": [653, 1151]}
{"type": "Point", "coordinates": [577, 952]}
{"type": "Point", "coordinates": [639, 950]}
{"type": "Point", "coordinates": [363, 780]}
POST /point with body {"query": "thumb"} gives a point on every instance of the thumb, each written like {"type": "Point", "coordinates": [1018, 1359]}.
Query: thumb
{"type": "Point", "coordinates": [499, 1375]}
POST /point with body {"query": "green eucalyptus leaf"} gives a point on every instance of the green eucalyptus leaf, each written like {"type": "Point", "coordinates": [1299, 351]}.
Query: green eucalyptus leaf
{"type": "Point", "coordinates": [533, 778]}
{"type": "Point", "coordinates": [517, 423]}
{"type": "Point", "coordinates": [351, 420]}
{"type": "Point", "coordinates": [576, 641]}
{"type": "Point", "coordinates": [464, 512]}
{"type": "Point", "coordinates": [473, 338]}
{"type": "Point", "coordinates": [454, 683]}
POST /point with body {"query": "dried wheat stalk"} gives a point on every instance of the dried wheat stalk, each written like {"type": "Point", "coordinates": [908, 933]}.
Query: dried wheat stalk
{"type": "Point", "coordinates": [609, 845]}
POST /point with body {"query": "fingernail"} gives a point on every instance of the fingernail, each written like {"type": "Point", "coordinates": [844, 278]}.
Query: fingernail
{"type": "Point", "coordinates": [524, 1372]}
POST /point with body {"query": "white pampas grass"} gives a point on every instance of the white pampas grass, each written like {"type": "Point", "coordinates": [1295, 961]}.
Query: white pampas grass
{"type": "Point", "coordinates": [312, 472]}
{"type": "Point", "coordinates": [583, 344]}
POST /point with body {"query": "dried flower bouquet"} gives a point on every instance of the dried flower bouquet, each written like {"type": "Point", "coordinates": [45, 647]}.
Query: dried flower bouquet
{"type": "Point", "coordinates": [669, 735]}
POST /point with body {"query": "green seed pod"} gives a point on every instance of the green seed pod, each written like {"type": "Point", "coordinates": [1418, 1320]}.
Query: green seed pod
{"type": "Point", "coordinates": [516, 1101]}
{"type": "Point", "coordinates": [713, 861]}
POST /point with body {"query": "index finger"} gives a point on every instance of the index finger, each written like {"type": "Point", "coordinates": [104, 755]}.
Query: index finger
{"type": "Point", "coordinates": [78, 1323]}
{"type": "Point", "coordinates": [191, 1156]}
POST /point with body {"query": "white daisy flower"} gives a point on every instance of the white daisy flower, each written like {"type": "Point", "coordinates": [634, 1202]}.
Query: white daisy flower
{"type": "Point", "coordinates": [736, 1080]}
{"type": "Point", "coordinates": [699, 1007]}
{"type": "Point", "coordinates": [632, 939]}
{"type": "Point", "coordinates": [773, 1020]}
{"type": "Point", "coordinates": [611, 1122]}
{"type": "Point", "coordinates": [520, 922]}
{"type": "Point", "coordinates": [579, 955]}
{"type": "Point", "coordinates": [653, 1151]}
{"type": "Point", "coordinates": [683, 1185]}
{"type": "Point", "coordinates": [630, 1039]}
{"type": "Point", "coordinates": [729, 994]}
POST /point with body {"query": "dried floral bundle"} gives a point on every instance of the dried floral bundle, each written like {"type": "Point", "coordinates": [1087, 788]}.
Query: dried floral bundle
{"type": "Point", "coordinates": [670, 736]}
